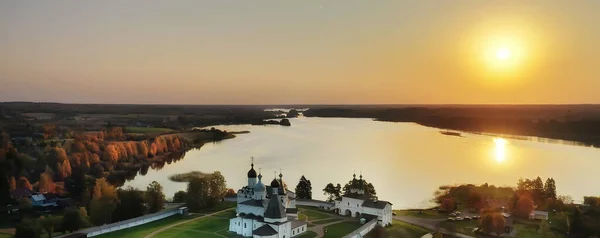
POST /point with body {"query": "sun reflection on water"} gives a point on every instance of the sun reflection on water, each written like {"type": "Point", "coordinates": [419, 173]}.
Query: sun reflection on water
{"type": "Point", "coordinates": [500, 151]}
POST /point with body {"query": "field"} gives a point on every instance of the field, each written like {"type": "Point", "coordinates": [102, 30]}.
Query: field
{"type": "Point", "coordinates": [421, 213]}
{"type": "Point", "coordinates": [143, 230]}
{"type": "Point", "coordinates": [203, 227]}
{"type": "Point", "coordinates": [314, 215]}
{"type": "Point", "coordinates": [325, 221]}
{"type": "Point", "coordinates": [308, 234]}
{"type": "Point", "coordinates": [2, 235]}
{"type": "Point", "coordinates": [341, 229]}
{"type": "Point", "coordinates": [400, 229]}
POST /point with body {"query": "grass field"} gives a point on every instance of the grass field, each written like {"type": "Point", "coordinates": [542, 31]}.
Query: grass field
{"type": "Point", "coordinates": [143, 230]}
{"type": "Point", "coordinates": [403, 229]}
{"type": "Point", "coordinates": [325, 221]}
{"type": "Point", "coordinates": [308, 234]}
{"type": "Point", "coordinates": [464, 227]}
{"type": "Point", "coordinates": [524, 231]}
{"type": "Point", "coordinates": [422, 213]}
{"type": "Point", "coordinates": [314, 215]}
{"type": "Point", "coordinates": [2, 235]}
{"type": "Point", "coordinates": [146, 130]}
{"type": "Point", "coordinates": [341, 229]}
{"type": "Point", "coordinates": [203, 227]}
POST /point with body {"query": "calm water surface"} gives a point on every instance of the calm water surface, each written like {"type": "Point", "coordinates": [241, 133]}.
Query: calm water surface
{"type": "Point", "coordinates": [405, 162]}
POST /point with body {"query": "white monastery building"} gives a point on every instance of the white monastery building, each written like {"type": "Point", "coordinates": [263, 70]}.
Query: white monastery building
{"type": "Point", "coordinates": [359, 204]}
{"type": "Point", "coordinates": [266, 211]}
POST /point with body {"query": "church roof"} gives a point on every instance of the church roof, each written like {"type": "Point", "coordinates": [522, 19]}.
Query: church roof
{"type": "Point", "coordinates": [275, 183]}
{"type": "Point", "coordinates": [253, 202]}
{"type": "Point", "coordinates": [275, 209]}
{"type": "Point", "coordinates": [291, 210]}
{"type": "Point", "coordinates": [265, 230]}
{"type": "Point", "coordinates": [297, 223]}
{"type": "Point", "coordinates": [252, 172]}
{"type": "Point", "coordinates": [375, 204]}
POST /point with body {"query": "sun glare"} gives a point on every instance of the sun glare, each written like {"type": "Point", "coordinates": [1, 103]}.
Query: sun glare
{"type": "Point", "coordinates": [500, 152]}
{"type": "Point", "coordinates": [502, 54]}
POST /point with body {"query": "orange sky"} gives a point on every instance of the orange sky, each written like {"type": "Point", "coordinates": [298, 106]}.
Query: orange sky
{"type": "Point", "coordinates": [300, 52]}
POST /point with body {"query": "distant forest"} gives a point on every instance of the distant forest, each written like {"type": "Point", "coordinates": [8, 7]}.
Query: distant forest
{"type": "Point", "coordinates": [579, 123]}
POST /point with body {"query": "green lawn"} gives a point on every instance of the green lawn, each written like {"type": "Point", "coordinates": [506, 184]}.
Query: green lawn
{"type": "Point", "coordinates": [143, 230]}
{"type": "Point", "coordinates": [325, 221]}
{"type": "Point", "coordinates": [525, 231]}
{"type": "Point", "coordinates": [146, 130]}
{"type": "Point", "coordinates": [2, 235]}
{"type": "Point", "coordinates": [226, 214]}
{"type": "Point", "coordinates": [400, 229]}
{"type": "Point", "coordinates": [203, 227]}
{"type": "Point", "coordinates": [341, 229]}
{"type": "Point", "coordinates": [314, 215]}
{"type": "Point", "coordinates": [422, 214]}
{"type": "Point", "coordinates": [308, 234]}
{"type": "Point", "coordinates": [210, 224]}
{"type": "Point", "coordinates": [464, 227]}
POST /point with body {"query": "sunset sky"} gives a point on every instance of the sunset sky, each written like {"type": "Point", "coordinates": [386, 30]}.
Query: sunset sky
{"type": "Point", "coordinates": [300, 52]}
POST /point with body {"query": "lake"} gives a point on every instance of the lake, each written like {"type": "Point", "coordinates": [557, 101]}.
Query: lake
{"type": "Point", "coordinates": [405, 162]}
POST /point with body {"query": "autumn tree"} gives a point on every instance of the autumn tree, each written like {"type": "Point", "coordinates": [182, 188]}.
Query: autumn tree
{"type": "Point", "coordinates": [111, 153]}
{"type": "Point", "coordinates": [524, 207]}
{"type": "Point", "coordinates": [24, 183]}
{"type": "Point", "coordinates": [492, 222]}
{"type": "Point", "coordinates": [12, 183]}
{"type": "Point", "coordinates": [155, 198]}
{"type": "Point", "coordinates": [104, 201]}
{"type": "Point", "coordinates": [46, 184]}
{"type": "Point", "coordinates": [304, 188]}
{"type": "Point", "coordinates": [447, 205]}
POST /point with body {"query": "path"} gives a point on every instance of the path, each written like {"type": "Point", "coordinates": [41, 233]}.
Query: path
{"type": "Point", "coordinates": [319, 228]}
{"type": "Point", "coordinates": [431, 224]}
{"type": "Point", "coordinates": [182, 222]}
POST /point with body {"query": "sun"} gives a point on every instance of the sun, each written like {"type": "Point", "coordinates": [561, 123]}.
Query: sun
{"type": "Point", "coordinates": [503, 53]}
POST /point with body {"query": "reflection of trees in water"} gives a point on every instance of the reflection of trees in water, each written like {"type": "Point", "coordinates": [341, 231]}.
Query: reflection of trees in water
{"type": "Point", "coordinates": [128, 171]}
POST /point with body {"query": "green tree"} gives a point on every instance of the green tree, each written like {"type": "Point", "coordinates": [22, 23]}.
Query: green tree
{"type": "Point", "coordinates": [27, 229]}
{"type": "Point", "coordinates": [538, 191]}
{"type": "Point", "coordinates": [332, 192]}
{"type": "Point", "coordinates": [155, 198]}
{"type": "Point", "coordinates": [72, 220]}
{"type": "Point", "coordinates": [550, 188]}
{"type": "Point", "coordinates": [359, 184]}
{"type": "Point", "coordinates": [4, 188]}
{"type": "Point", "coordinates": [48, 223]}
{"type": "Point", "coordinates": [217, 188]}
{"type": "Point", "coordinates": [131, 204]}
{"type": "Point", "coordinates": [197, 193]}
{"type": "Point", "coordinates": [179, 197]}
{"type": "Point", "coordinates": [304, 188]}
{"type": "Point", "coordinates": [76, 184]}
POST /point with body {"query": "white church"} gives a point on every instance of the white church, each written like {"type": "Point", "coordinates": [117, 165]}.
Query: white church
{"type": "Point", "coordinates": [266, 211]}
{"type": "Point", "coordinates": [358, 204]}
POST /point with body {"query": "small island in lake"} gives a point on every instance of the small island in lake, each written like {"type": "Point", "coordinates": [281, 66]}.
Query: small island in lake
{"type": "Point", "coordinates": [451, 133]}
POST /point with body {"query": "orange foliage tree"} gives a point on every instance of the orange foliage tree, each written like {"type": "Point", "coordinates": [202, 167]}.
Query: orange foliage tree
{"type": "Point", "coordinates": [524, 207]}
